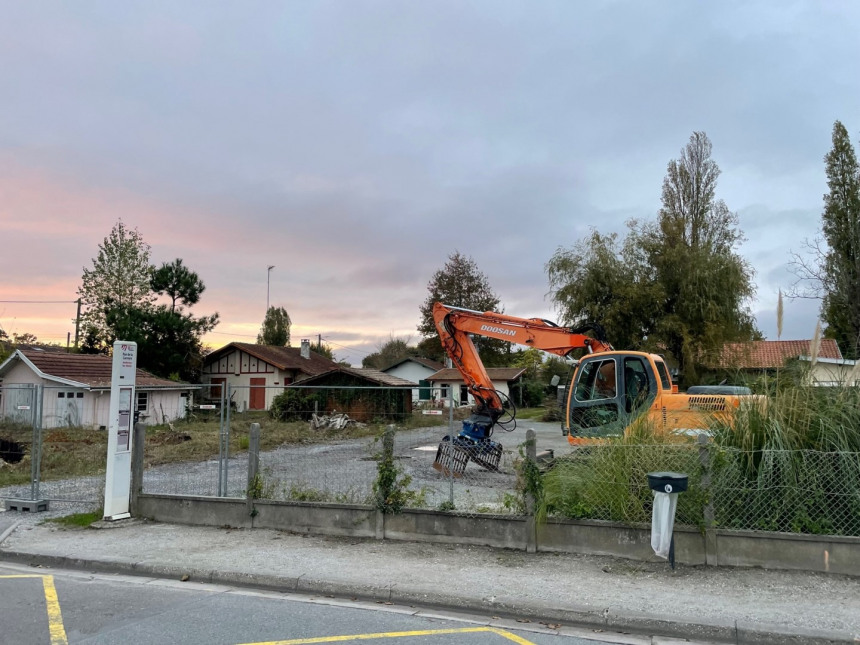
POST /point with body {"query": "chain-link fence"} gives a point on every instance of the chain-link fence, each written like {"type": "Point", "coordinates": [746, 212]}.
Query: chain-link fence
{"type": "Point", "coordinates": [46, 452]}
{"type": "Point", "coordinates": [324, 444]}
{"type": "Point", "coordinates": [799, 491]}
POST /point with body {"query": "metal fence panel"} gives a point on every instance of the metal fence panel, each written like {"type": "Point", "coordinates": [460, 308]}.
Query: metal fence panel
{"type": "Point", "coordinates": [17, 412]}
{"type": "Point", "coordinates": [181, 456]}
{"type": "Point", "coordinates": [319, 452]}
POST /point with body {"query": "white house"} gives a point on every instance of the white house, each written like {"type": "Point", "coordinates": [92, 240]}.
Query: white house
{"type": "Point", "coordinates": [258, 373]}
{"type": "Point", "coordinates": [762, 356]}
{"type": "Point", "coordinates": [76, 390]}
{"type": "Point", "coordinates": [417, 370]}
{"type": "Point", "coordinates": [832, 371]}
{"type": "Point", "coordinates": [502, 378]}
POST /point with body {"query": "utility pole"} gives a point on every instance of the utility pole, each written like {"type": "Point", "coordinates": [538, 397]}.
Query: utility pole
{"type": "Point", "coordinates": [78, 324]}
{"type": "Point", "coordinates": [268, 273]}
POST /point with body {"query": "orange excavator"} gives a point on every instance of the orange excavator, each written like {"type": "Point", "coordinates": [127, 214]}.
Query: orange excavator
{"type": "Point", "coordinates": [606, 389]}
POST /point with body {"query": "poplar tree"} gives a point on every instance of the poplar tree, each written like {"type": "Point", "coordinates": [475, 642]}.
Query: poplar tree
{"type": "Point", "coordinates": [840, 266]}
{"type": "Point", "coordinates": [276, 328]}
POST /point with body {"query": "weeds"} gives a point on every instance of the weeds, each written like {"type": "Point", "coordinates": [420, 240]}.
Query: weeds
{"type": "Point", "coordinates": [78, 520]}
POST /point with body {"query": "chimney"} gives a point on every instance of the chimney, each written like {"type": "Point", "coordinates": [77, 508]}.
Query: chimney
{"type": "Point", "coordinates": [306, 348]}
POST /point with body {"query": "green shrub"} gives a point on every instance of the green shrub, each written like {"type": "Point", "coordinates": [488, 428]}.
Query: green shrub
{"type": "Point", "coordinates": [528, 393]}
{"type": "Point", "coordinates": [295, 405]}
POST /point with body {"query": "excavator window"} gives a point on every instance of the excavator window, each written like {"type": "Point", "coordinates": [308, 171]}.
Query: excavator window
{"type": "Point", "coordinates": [597, 381]}
{"type": "Point", "coordinates": [594, 407]}
{"type": "Point", "coordinates": [637, 391]}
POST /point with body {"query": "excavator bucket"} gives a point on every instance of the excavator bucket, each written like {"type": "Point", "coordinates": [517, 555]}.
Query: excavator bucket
{"type": "Point", "coordinates": [451, 459]}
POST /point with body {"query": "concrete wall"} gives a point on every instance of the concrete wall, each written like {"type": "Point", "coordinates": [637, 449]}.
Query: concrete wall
{"type": "Point", "coordinates": [825, 554]}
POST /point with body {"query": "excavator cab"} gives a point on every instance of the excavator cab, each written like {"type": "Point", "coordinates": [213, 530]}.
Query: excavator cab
{"type": "Point", "coordinates": [608, 390]}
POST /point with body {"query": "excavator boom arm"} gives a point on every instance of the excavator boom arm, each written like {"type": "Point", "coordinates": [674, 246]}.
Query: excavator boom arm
{"type": "Point", "coordinates": [456, 324]}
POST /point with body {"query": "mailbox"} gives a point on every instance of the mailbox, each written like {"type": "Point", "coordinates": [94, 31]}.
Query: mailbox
{"type": "Point", "coordinates": [666, 486]}
{"type": "Point", "coordinates": [668, 482]}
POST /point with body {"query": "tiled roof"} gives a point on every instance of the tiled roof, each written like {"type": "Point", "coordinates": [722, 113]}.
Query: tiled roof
{"type": "Point", "coordinates": [93, 370]}
{"type": "Point", "coordinates": [764, 354]}
{"type": "Point", "coordinates": [501, 374]}
{"type": "Point", "coordinates": [426, 362]}
{"type": "Point", "coordinates": [285, 358]}
{"type": "Point", "coordinates": [371, 375]}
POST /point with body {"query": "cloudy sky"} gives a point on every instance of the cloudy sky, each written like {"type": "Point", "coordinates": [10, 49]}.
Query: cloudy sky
{"type": "Point", "coordinates": [356, 144]}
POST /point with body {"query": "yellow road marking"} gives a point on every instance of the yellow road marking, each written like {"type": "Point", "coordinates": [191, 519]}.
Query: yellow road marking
{"type": "Point", "coordinates": [58, 631]}
{"type": "Point", "coordinates": [55, 617]}
{"type": "Point", "coordinates": [52, 603]}
{"type": "Point", "coordinates": [23, 575]}
{"type": "Point", "coordinates": [425, 632]}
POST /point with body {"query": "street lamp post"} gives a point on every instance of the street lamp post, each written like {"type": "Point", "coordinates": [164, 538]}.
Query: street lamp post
{"type": "Point", "coordinates": [268, 274]}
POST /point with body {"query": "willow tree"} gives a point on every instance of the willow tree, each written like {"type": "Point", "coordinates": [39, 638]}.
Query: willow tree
{"type": "Point", "coordinates": [675, 284]}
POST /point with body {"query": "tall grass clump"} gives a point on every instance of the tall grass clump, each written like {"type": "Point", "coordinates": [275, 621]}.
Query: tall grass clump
{"type": "Point", "coordinates": [608, 480]}
{"type": "Point", "coordinates": [790, 460]}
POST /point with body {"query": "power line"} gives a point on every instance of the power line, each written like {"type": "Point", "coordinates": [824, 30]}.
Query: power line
{"type": "Point", "coordinates": [39, 302]}
{"type": "Point", "coordinates": [227, 333]}
{"type": "Point", "coordinates": [351, 349]}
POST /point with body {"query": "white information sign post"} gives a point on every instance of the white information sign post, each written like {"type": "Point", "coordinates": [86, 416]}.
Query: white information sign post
{"type": "Point", "coordinates": [120, 428]}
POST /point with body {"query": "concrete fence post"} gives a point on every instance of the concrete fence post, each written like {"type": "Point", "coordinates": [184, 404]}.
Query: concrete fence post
{"type": "Point", "coordinates": [253, 491]}
{"type": "Point", "coordinates": [137, 460]}
{"type": "Point", "coordinates": [705, 459]}
{"type": "Point", "coordinates": [530, 467]}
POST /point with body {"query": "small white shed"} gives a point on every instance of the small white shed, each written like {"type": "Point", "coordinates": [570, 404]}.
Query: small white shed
{"type": "Point", "coordinates": [76, 390]}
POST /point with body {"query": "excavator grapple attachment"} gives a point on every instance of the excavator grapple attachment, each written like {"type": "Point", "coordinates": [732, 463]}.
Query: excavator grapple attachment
{"type": "Point", "coordinates": [451, 458]}
{"type": "Point", "coordinates": [487, 454]}
{"type": "Point", "coordinates": [453, 455]}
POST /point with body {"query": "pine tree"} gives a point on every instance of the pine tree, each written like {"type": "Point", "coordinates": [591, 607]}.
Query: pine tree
{"type": "Point", "coordinates": [177, 282]}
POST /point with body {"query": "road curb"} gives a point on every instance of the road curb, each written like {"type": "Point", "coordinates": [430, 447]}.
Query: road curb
{"type": "Point", "coordinates": [611, 619]}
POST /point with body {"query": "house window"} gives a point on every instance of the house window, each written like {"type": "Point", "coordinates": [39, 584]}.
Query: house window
{"type": "Point", "coordinates": [142, 402]}
{"type": "Point", "coordinates": [444, 391]}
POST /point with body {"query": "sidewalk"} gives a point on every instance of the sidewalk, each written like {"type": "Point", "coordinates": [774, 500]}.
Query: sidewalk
{"type": "Point", "coordinates": [700, 603]}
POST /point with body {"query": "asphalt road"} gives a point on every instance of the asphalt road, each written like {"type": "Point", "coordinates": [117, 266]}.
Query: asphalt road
{"type": "Point", "coordinates": [39, 606]}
